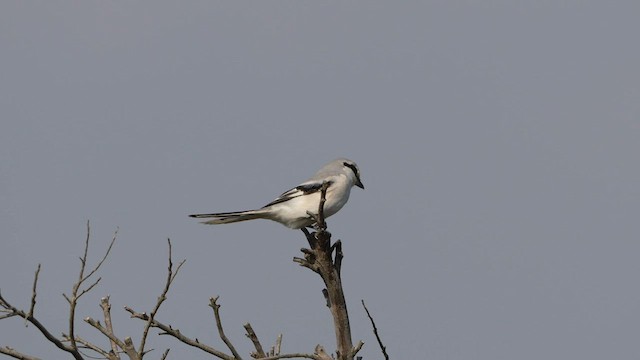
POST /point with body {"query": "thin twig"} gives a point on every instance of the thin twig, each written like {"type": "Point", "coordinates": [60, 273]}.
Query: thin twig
{"type": "Point", "coordinates": [33, 294]}
{"type": "Point", "coordinates": [106, 254]}
{"type": "Point", "coordinates": [213, 303]}
{"type": "Point", "coordinates": [8, 315]}
{"type": "Point", "coordinates": [295, 356]}
{"type": "Point", "coordinates": [126, 345]}
{"type": "Point", "coordinates": [164, 355]}
{"type": "Point", "coordinates": [43, 330]}
{"type": "Point", "coordinates": [98, 326]}
{"type": "Point", "coordinates": [76, 293]}
{"type": "Point", "coordinates": [90, 346]}
{"type": "Point", "coordinates": [375, 331]}
{"type": "Point", "coordinates": [88, 288]}
{"type": "Point", "coordinates": [163, 296]}
{"type": "Point", "coordinates": [16, 354]}
{"type": "Point", "coordinates": [73, 300]}
{"type": "Point", "coordinates": [168, 330]}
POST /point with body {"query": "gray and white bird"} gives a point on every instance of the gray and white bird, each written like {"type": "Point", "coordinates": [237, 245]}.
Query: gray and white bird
{"type": "Point", "coordinates": [290, 209]}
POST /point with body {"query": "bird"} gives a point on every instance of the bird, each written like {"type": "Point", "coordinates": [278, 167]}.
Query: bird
{"type": "Point", "coordinates": [292, 208]}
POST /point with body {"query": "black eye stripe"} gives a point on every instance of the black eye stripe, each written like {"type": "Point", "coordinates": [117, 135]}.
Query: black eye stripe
{"type": "Point", "coordinates": [352, 167]}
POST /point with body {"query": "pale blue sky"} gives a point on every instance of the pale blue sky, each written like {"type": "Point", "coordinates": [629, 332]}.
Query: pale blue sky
{"type": "Point", "coordinates": [498, 143]}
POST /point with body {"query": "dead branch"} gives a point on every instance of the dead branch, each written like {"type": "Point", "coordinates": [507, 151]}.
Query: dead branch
{"type": "Point", "coordinates": [171, 275]}
{"type": "Point", "coordinates": [168, 330]}
{"type": "Point", "coordinates": [33, 293]}
{"type": "Point", "coordinates": [130, 349]}
{"type": "Point", "coordinates": [106, 311]}
{"type": "Point", "coordinates": [314, 356]}
{"type": "Point", "coordinates": [13, 311]}
{"type": "Point", "coordinates": [320, 259]}
{"type": "Point", "coordinates": [98, 326]}
{"type": "Point", "coordinates": [16, 354]}
{"type": "Point", "coordinates": [259, 354]}
{"type": "Point", "coordinates": [127, 345]}
{"type": "Point", "coordinates": [321, 354]}
{"type": "Point", "coordinates": [275, 349]}
{"type": "Point", "coordinates": [319, 220]}
{"type": "Point", "coordinates": [278, 346]}
{"type": "Point", "coordinates": [164, 355]}
{"type": "Point", "coordinates": [86, 345]}
{"type": "Point", "coordinates": [375, 332]}
{"type": "Point", "coordinates": [213, 303]}
{"type": "Point", "coordinates": [76, 292]}
{"type": "Point", "coordinates": [79, 288]}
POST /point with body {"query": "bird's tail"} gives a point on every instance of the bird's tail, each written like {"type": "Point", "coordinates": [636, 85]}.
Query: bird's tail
{"type": "Point", "coordinates": [231, 217]}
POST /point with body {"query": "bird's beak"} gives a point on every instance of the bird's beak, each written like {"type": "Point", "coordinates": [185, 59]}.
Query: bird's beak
{"type": "Point", "coordinates": [359, 184]}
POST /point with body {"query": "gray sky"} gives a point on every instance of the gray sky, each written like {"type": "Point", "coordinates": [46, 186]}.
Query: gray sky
{"type": "Point", "coordinates": [498, 143]}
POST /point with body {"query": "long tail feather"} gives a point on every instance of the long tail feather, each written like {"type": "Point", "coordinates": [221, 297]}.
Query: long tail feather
{"type": "Point", "coordinates": [230, 217]}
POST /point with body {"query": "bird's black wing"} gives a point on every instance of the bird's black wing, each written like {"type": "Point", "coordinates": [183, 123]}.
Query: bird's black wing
{"type": "Point", "coordinates": [300, 190]}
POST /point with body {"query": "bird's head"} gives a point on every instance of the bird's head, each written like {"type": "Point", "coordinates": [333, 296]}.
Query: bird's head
{"type": "Point", "coordinates": [351, 167]}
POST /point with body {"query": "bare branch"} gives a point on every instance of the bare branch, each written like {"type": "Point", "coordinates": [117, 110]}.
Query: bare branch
{"type": "Point", "coordinates": [322, 224]}
{"type": "Point", "coordinates": [320, 259]}
{"type": "Point", "coordinates": [98, 326]}
{"type": "Point", "coordinates": [8, 315]}
{"type": "Point", "coordinates": [130, 349]}
{"type": "Point", "coordinates": [357, 348]}
{"type": "Point", "coordinates": [213, 303]}
{"type": "Point", "coordinates": [278, 346]}
{"type": "Point", "coordinates": [106, 311]}
{"type": "Point", "coordinates": [33, 293]}
{"type": "Point", "coordinates": [164, 355]}
{"type": "Point", "coordinates": [43, 330]}
{"type": "Point", "coordinates": [76, 293]}
{"type": "Point", "coordinates": [16, 354]}
{"type": "Point", "coordinates": [88, 288]}
{"type": "Point", "coordinates": [297, 356]}
{"type": "Point", "coordinates": [311, 239]}
{"type": "Point", "coordinates": [126, 345]}
{"type": "Point", "coordinates": [259, 354]}
{"type": "Point", "coordinates": [319, 219]}
{"type": "Point", "coordinates": [90, 346]}
{"type": "Point", "coordinates": [306, 263]}
{"type": "Point", "coordinates": [337, 247]}
{"type": "Point", "coordinates": [106, 254]}
{"type": "Point", "coordinates": [375, 331]}
{"type": "Point", "coordinates": [171, 275]}
{"type": "Point", "coordinates": [83, 259]}
{"type": "Point", "coordinates": [321, 354]}
{"type": "Point", "coordinates": [168, 330]}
